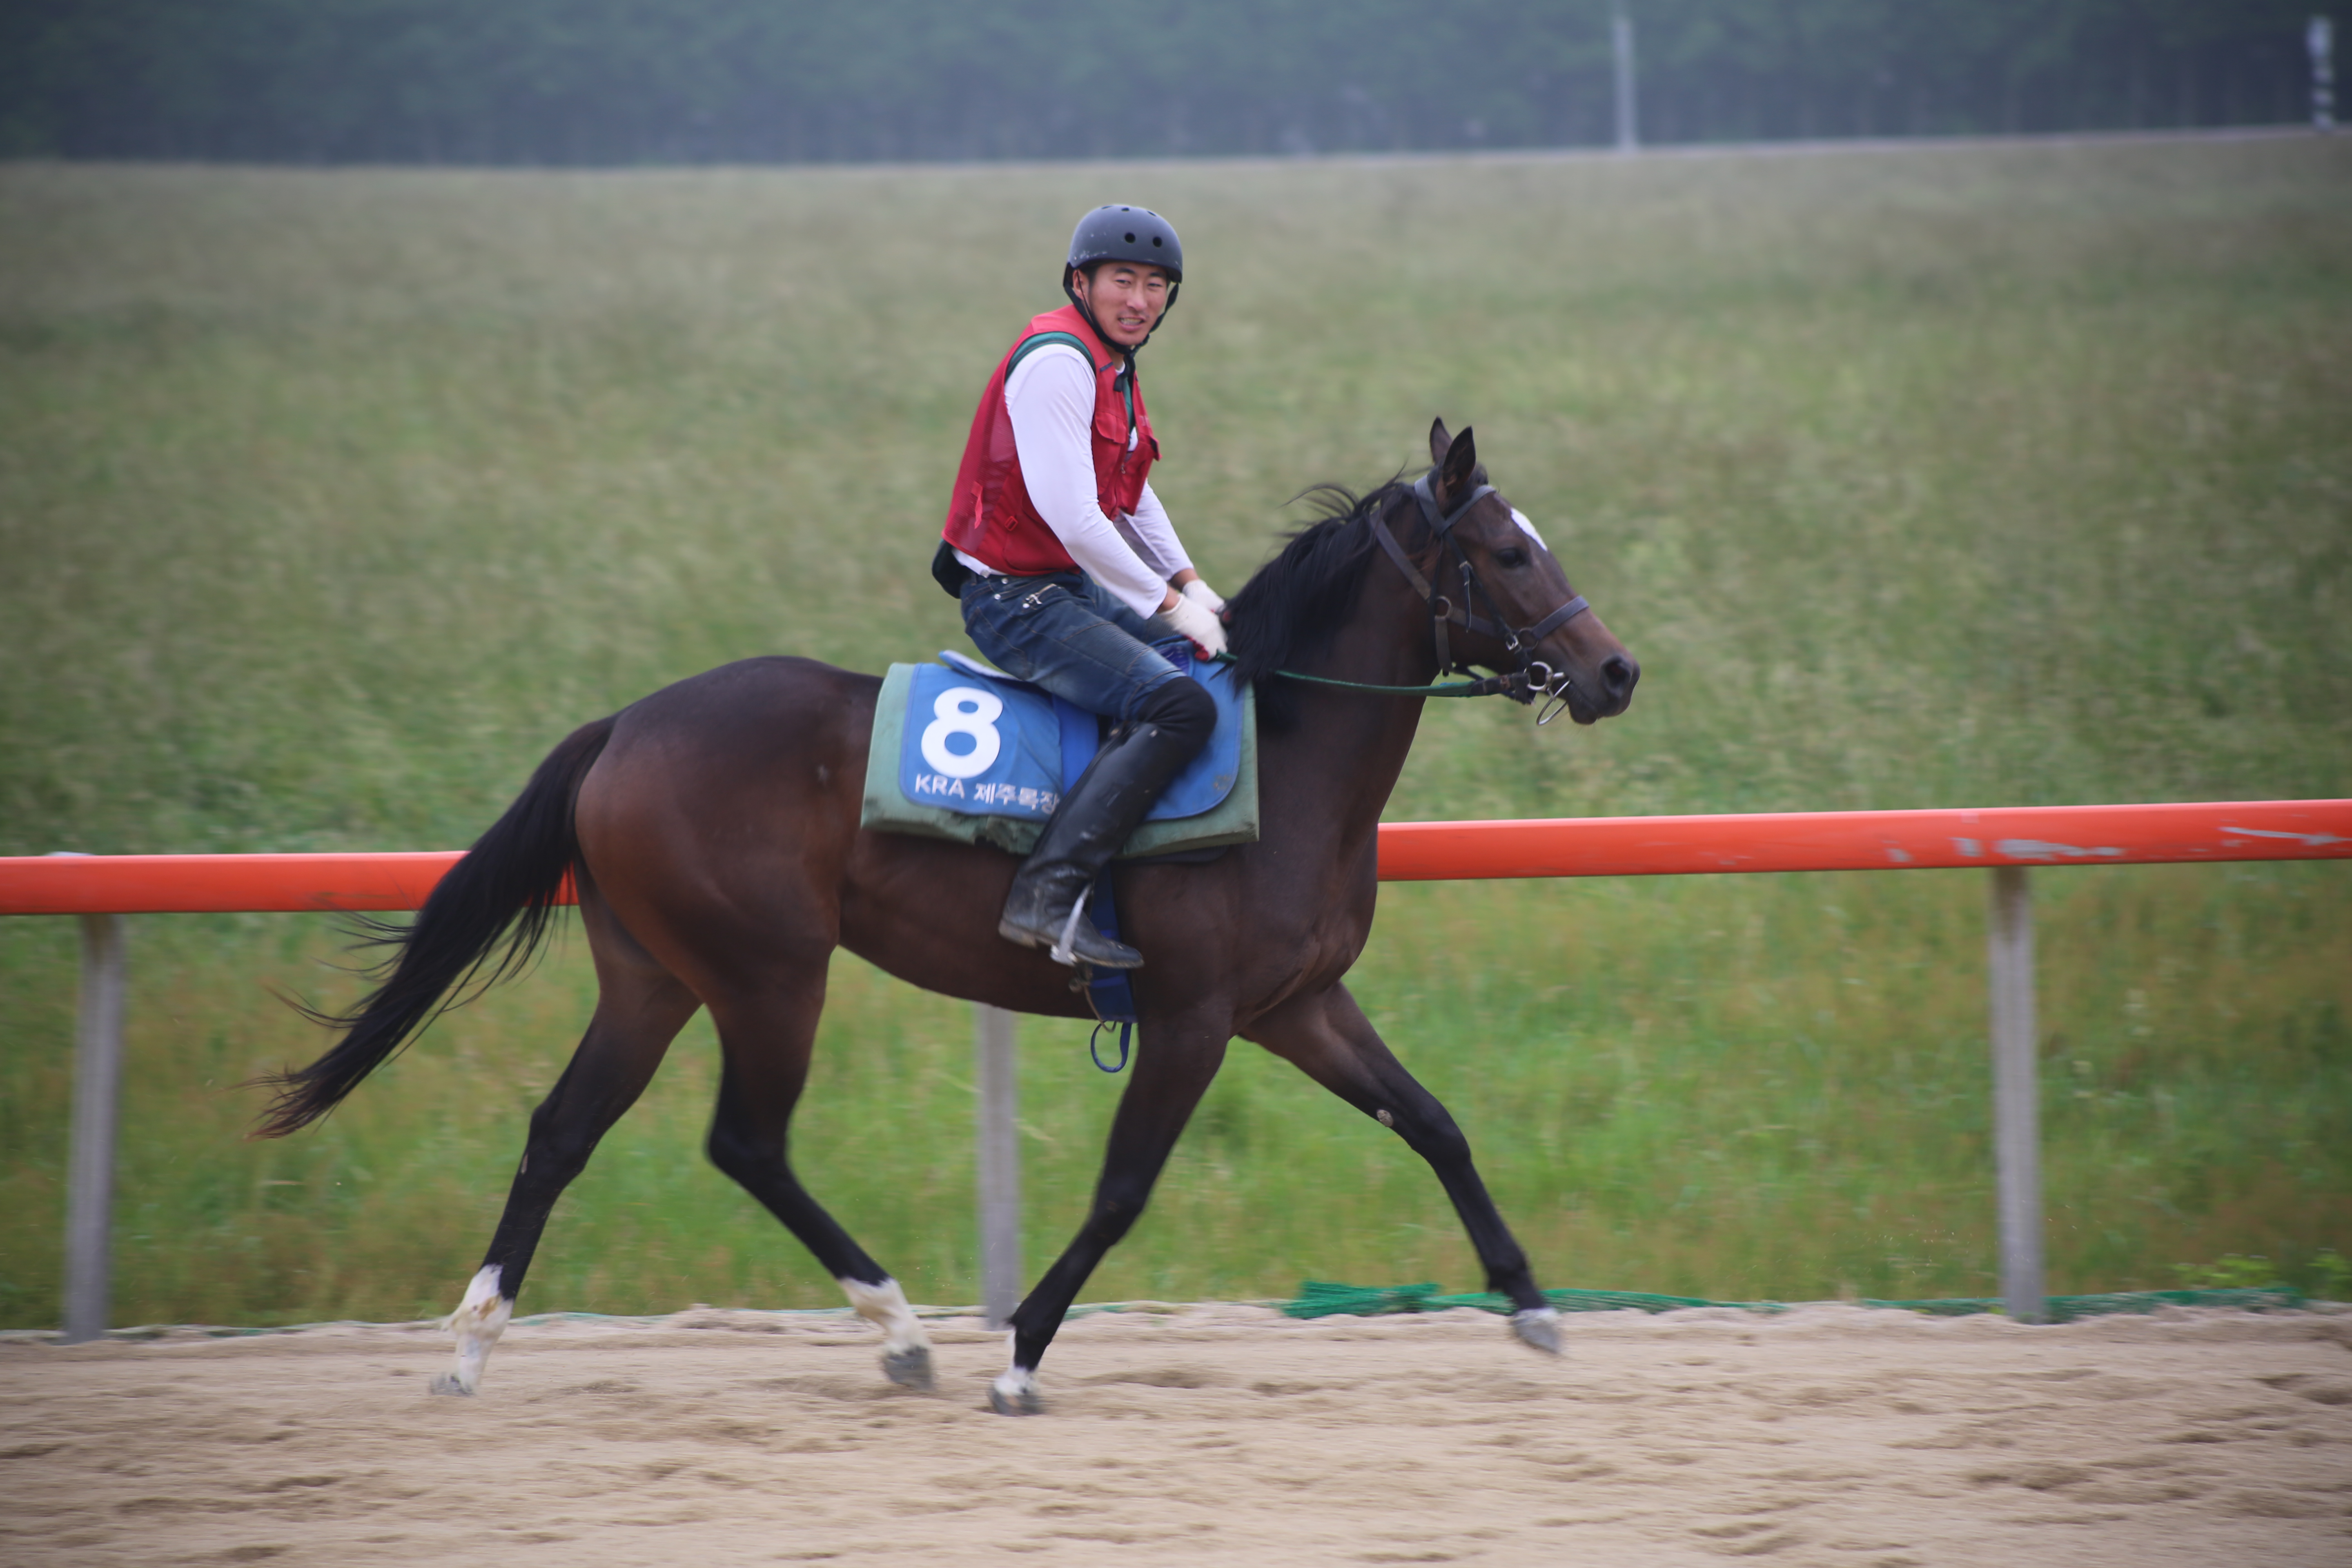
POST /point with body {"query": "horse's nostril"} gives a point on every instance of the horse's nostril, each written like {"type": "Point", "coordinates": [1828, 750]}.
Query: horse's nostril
{"type": "Point", "coordinates": [1618, 673]}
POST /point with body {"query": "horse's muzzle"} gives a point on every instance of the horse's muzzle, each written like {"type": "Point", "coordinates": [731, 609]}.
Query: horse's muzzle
{"type": "Point", "coordinates": [1608, 692]}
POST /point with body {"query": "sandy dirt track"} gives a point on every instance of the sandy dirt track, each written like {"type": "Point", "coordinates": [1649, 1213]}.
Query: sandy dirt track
{"type": "Point", "coordinates": [1209, 1435]}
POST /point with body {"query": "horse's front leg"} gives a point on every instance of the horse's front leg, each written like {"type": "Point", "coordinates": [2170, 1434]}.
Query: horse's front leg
{"type": "Point", "coordinates": [1326, 1036]}
{"type": "Point", "coordinates": [1175, 1060]}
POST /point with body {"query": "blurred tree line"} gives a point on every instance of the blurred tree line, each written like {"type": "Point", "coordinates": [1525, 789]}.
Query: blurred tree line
{"type": "Point", "coordinates": [664, 81]}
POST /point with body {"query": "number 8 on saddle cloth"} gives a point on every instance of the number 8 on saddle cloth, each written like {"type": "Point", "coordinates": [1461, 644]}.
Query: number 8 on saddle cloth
{"type": "Point", "coordinates": [964, 752]}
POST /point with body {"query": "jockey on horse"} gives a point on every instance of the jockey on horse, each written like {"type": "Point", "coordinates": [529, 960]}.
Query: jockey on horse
{"type": "Point", "coordinates": [1067, 566]}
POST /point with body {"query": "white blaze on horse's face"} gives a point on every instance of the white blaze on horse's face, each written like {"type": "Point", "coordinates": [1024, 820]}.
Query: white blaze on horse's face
{"type": "Point", "coordinates": [1529, 529]}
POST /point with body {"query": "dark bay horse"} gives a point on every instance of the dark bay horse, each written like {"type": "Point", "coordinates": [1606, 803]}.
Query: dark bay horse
{"type": "Point", "coordinates": [711, 830]}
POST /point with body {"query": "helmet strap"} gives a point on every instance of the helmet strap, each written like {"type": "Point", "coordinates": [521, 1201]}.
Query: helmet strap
{"type": "Point", "coordinates": [1088, 312]}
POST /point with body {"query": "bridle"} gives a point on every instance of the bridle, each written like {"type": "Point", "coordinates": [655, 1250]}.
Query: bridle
{"type": "Point", "coordinates": [1534, 678]}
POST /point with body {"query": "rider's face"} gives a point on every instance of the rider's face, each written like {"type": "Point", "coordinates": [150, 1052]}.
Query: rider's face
{"type": "Point", "coordinates": [1127, 298]}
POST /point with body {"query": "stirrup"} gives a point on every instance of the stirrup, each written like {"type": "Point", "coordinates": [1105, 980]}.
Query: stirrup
{"type": "Point", "coordinates": [1106, 952]}
{"type": "Point", "coordinates": [1062, 951]}
{"type": "Point", "coordinates": [1064, 947]}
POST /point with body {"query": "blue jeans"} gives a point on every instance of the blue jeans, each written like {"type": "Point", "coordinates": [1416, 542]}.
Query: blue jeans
{"type": "Point", "coordinates": [1069, 635]}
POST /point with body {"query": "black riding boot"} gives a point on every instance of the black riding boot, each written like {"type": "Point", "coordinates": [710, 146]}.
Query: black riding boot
{"type": "Point", "coordinates": [1047, 905]}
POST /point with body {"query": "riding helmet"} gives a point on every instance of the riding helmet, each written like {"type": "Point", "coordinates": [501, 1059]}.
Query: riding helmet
{"type": "Point", "coordinates": [1125, 234]}
{"type": "Point", "coordinates": [1128, 233]}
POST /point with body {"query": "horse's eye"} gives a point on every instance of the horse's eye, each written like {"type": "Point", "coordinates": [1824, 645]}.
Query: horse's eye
{"type": "Point", "coordinates": [1510, 559]}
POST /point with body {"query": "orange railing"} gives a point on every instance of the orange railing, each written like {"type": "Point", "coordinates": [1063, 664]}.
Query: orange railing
{"type": "Point", "coordinates": [2006, 839]}
{"type": "Point", "coordinates": [1868, 840]}
{"type": "Point", "coordinates": [1409, 852]}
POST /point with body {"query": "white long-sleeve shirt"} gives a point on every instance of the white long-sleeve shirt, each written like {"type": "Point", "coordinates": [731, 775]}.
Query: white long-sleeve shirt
{"type": "Point", "coordinates": [1051, 398]}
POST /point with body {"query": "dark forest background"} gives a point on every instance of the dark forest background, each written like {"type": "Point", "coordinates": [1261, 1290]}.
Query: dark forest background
{"type": "Point", "coordinates": [689, 81]}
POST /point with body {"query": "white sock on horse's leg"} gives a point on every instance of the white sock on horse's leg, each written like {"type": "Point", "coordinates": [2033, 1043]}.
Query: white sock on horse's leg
{"type": "Point", "coordinates": [906, 1348]}
{"type": "Point", "coordinates": [1537, 1328]}
{"type": "Point", "coordinates": [478, 1322]}
{"type": "Point", "coordinates": [1014, 1392]}
{"type": "Point", "coordinates": [884, 1305]}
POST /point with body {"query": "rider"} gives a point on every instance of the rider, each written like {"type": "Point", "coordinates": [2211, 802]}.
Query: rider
{"type": "Point", "coordinates": [1067, 566]}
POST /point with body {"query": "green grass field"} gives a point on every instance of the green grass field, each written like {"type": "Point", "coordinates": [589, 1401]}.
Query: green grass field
{"type": "Point", "coordinates": [1947, 476]}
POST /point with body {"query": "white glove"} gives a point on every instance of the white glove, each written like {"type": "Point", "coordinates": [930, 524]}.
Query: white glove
{"type": "Point", "coordinates": [1194, 620]}
{"type": "Point", "coordinates": [1200, 594]}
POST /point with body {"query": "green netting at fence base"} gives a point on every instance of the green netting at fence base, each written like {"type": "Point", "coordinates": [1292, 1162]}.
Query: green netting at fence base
{"type": "Point", "coordinates": [1316, 1298]}
{"type": "Point", "coordinates": [1324, 1297]}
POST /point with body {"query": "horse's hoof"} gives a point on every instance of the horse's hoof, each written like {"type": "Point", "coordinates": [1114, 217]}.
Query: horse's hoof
{"type": "Point", "coordinates": [1025, 1403]}
{"type": "Point", "coordinates": [446, 1383]}
{"type": "Point", "coordinates": [1537, 1328]}
{"type": "Point", "coordinates": [909, 1368]}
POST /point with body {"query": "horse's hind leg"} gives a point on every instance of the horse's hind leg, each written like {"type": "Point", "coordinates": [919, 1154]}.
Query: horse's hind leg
{"type": "Point", "coordinates": [1327, 1037]}
{"type": "Point", "coordinates": [640, 1008]}
{"type": "Point", "coordinates": [766, 1035]}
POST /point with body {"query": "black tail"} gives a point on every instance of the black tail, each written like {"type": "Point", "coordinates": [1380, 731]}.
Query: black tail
{"type": "Point", "coordinates": [491, 909]}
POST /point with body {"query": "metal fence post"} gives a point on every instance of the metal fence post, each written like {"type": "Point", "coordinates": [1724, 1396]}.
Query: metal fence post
{"type": "Point", "coordinates": [2016, 1096]}
{"type": "Point", "coordinates": [2319, 38]}
{"type": "Point", "coordinates": [97, 1080]}
{"type": "Point", "coordinates": [1621, 41]}
{"type": "Point", "coordinates": [1000, 1164]}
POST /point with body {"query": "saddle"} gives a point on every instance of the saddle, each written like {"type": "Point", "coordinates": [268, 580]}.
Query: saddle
{"type": "Point", "coordinates": [966, 752]}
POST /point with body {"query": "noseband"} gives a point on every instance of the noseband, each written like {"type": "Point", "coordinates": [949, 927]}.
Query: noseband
{"type": "Point", "coordinates": [1522, 685]}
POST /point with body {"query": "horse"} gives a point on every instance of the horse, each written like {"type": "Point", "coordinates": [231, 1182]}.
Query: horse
{"type": "Point", "coordinates": [710, 832]}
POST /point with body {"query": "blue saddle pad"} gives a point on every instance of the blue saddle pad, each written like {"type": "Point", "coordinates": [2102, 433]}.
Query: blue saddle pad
{"type": "Point", "coordinates": [979, 743]}
{"type": "Point", "coordinates": [963, 751]}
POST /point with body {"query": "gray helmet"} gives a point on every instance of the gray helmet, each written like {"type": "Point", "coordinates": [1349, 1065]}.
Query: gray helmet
{"type": "Point", "coordinates": [1128, 233]}
{"type": "Point", "coordinates": [1125, 234]}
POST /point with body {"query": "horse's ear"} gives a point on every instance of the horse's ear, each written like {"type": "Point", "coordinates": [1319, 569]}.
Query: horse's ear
{"type": "Point", "coordinates": [1438, 441]}
{"type": "Point", "coordinates": [1456, 466]}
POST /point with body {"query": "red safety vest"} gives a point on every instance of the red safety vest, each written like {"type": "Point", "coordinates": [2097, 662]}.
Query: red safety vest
{"type": "Point", "coordinates": [991, 517]}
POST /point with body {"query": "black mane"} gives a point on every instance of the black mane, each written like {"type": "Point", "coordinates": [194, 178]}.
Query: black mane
{"type": "Point", "coordinates": [1298, 601]}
